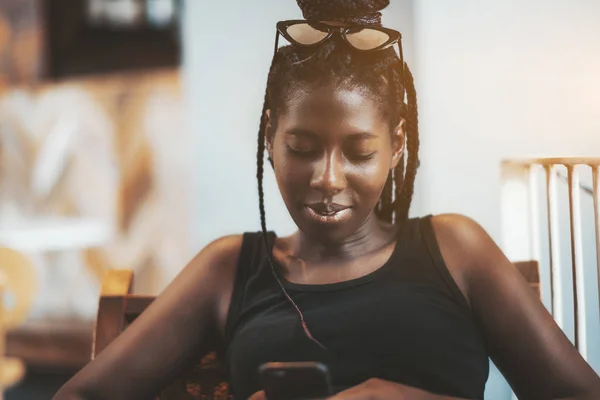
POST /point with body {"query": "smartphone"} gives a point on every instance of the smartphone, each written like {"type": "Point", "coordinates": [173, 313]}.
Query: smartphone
{"type": "Point", "coordinates": [306, 380]}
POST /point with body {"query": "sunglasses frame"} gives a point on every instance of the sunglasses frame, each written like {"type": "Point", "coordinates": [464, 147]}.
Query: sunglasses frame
{"type": "Point", "coordinates": [282, 26]}
{"type": "Point", "coordinates": [342, 31]}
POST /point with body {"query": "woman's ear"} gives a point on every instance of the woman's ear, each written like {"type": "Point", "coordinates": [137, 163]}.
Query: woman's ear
{"type": "Point", "coordinates": [398, 143]}
{"type": "Point", "coordinates": [269, 135]}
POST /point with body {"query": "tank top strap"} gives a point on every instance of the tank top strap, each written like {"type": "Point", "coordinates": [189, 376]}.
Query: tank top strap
{"type": "Point", "coordinates": [249, 264]}
{"type": "Point", "coordinates": [430, 241]}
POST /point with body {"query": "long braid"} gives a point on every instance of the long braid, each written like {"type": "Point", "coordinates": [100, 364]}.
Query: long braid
{"type": "Point", "coordinates": [260, 166]}
{"type": "Point", "coordinates": [405, 194]}
{"type": "Point", "coordinates": [260, 155]}
{"type": "Point", "coordinates": [399, 179]}
{"type": "Point", "coordinates": [385, 203]}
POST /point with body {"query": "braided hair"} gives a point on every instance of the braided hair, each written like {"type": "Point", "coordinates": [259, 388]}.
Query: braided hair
{"type": "Point", "coordinates": [379, 74]}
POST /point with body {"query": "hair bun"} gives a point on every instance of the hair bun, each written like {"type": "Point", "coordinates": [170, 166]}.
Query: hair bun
{"type": "Point", "coordinates": [361, 12]}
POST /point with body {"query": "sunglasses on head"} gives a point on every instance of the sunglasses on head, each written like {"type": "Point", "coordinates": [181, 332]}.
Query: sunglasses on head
{"type": "Point", "coordinates": [361, 38]}
{"type": "Point", "coordinates": [305, 33]}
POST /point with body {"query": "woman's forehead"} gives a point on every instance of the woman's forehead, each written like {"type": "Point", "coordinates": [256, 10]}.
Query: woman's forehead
{"type": "Point", "coordinates": [352, 108]}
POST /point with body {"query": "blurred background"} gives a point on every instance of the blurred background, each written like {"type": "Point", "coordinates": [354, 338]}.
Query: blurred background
{"type": "Point", "coordinates": [128, 140]}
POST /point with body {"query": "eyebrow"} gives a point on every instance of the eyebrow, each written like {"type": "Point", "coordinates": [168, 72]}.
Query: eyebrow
{"type": "Point", "coordinates": [362, 135]}
{"type": "Point", "coordinates": [312, 135]}
{"type": "Point", "coordinates": [302, 133]}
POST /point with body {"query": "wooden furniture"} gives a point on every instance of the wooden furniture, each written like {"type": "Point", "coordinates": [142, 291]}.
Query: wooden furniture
{"type": "Point", "coordinates": [534, 204]}
{"type": "Point", "coordinates": [533, 207]}
{"type": "Point", "coordinates": [118, 308]}
{"type": "Point", "coordinates": [531, 273]}
{"type": "Point", "coordinates": [51, 346]}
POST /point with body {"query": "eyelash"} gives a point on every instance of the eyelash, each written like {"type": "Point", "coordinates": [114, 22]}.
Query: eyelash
{"type": "Point", "coordinates": [309, 154]}
{"type": "Point", "coordinates": [366, 156]}
{"type": "Point", "coordinates": [304, 154]}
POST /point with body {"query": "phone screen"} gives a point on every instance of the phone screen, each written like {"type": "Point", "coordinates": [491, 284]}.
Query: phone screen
{"type": "Point", "coordinates": [295, 380]}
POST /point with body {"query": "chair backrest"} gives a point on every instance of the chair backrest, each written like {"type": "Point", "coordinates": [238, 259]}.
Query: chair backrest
{"type": "Point", "coordinates": [538, 197]}
{"type": "Point", "coordinates": [118, 308]}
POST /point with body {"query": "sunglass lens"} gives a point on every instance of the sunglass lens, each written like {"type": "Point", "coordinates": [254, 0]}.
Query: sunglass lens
{"type": "Point", "coordinates": [305, 34]}
{"type": "Point", "coordinates": [367, 39]}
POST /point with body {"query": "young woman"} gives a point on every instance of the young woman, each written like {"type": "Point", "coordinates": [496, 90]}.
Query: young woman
{"type": "Point", "coordinates": [398, 308]}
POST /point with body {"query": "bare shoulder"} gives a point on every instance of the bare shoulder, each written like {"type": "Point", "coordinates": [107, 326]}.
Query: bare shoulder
{"type": "Point", "coordinates": [213, 268]}
{"type": "Point", "coordinates": [465, 247]}
{"type": "Point", "coordinates": [461, 238]}
{"type": "Point", "coordinates": [216, 265]}
{"type": "Point", "coordinates": [220, 255]}
{"type": "Point", "coordinates": [459, 228]}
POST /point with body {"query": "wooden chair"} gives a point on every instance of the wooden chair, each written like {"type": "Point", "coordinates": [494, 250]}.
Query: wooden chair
{"type": "Point", "coordinates": [531, 272]}
{"type": "Point", "coordinates": [118, 308]}
{"type": "Point", "coordinates": [534, 206]}
{"type": "Point", "coordinates": [208, 380]}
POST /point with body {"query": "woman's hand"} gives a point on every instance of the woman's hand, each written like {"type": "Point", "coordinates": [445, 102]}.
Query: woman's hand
{"type": "Point", "coordinates": [375, 389]}
{"type": "Point", "coordinates": [258, 396]}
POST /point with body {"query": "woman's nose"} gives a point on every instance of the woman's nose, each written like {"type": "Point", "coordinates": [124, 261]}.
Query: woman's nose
{"type": "Point", "coordinates": [329, 177]}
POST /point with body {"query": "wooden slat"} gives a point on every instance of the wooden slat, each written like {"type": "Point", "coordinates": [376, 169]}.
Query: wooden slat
{"type": "Point", "coordinates": [531, 272]}
{"type": "Point", "coordinates": [576, 256]}
{"type": "Point", "coordinates": [109, 323]}
{"type": "Point", "coordinates": [596, 194]}
{"type": "Point", "coordinates": [116, 308]}
{"type": "Point", "coordinates": [566, 161]}
{"type": "Point", "coordinates": [553, 241]}
{"type": "Point", "coordinates": [135, 305]}
{"type": "Point", "coordinates": [116, 282]}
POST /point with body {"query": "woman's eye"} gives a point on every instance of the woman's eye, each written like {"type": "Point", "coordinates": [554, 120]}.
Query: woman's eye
{"type": "Point", "coordinates": [305, 151]}
{"type": "Point", "coordinates": [362, 156]}
{"type": "Point", "coordinates": [360, 151]}
{"type": "Point", "coordinates": [302, 146]}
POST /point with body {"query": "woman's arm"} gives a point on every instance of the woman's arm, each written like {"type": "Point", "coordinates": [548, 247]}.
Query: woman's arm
{"type": "Point", "coordinates": [173, 333]}
{"type": "Point", "coordinates": [524, 342]}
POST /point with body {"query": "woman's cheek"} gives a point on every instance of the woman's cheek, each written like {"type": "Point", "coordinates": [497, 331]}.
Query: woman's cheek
{"type": "Point", "coordinates": [369, 178]}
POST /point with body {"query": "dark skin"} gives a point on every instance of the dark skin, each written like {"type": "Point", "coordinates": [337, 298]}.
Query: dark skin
{"type": "Point", "coordinates": [188, 318]}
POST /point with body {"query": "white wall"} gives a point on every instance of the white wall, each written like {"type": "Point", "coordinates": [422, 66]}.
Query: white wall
{"type": "Point", "coordinates": [500, 79]}
{"type": "Point", "coordinates": [228, 46]}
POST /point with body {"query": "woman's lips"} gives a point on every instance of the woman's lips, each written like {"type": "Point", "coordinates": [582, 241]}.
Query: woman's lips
{"type": "Point", "coordinates": [327, 208]}
{"type": "Point", "coordinates": [328, 213]}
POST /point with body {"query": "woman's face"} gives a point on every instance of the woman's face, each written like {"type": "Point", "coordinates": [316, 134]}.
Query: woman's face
{"type": "Point", "coordinates": [332, 152]}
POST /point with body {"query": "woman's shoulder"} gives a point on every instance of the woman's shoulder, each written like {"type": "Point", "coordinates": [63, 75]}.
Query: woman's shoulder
{"type": "Point", "coordinates": [466, 248]}
{"type": "Point", "coordinates": [224, 248]}
{"type": "Point", "coordinates": [222, 255]}
{"type": "Point", "coordinates": [460, 236]}
{"type": "Point", "coordinates": [216, 262]}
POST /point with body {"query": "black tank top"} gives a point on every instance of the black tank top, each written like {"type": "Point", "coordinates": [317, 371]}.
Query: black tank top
{"type": "Point", "coordinates": [406, 322]}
